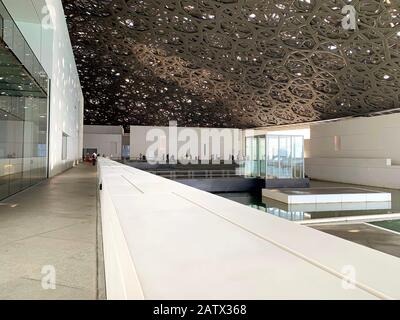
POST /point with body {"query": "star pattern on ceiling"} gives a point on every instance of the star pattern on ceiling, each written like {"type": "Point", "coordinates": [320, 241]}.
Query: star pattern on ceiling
{"type": "Point", "coordinates": [234, 63]}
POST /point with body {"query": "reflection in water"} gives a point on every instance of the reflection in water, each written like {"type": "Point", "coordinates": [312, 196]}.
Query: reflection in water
{"type": "Point", "coordinates": [393, 225]}
{"type": "Point", "coordinates": [297, 212]}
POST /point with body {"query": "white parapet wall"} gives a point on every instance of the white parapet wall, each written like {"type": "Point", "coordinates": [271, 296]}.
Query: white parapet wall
{"type": "Point", "coordinates": [165, 240]}
{"type": "Point", "coordinates": [326, 195]}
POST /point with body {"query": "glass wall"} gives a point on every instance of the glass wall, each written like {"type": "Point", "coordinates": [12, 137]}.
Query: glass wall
{"type": "Point", "coordinates": [23, 143]}
{"type": "Point", "coordinates": [275, 157]}
{"type": "Point", "coordinates": [23, 111]}
{"type": "Point", "coordinates": [252, 163]}
{"type": "Point", "coordinates": [15, 41]}
{"type": "Point", "coordinates": [285, 157]}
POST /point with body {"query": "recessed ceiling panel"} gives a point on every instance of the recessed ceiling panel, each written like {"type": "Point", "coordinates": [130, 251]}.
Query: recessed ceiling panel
{"type": "Point", "coordinates": [235, 63]}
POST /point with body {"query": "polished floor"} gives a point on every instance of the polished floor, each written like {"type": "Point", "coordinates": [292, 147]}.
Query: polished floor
{"type": "Point", "coordinates": [51, 227]}
{"type": "Point", "coordinates": [367, 235]}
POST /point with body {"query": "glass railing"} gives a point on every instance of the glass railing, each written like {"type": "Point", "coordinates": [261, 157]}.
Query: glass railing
{"type": "Point", "coordinates": [15, 41]}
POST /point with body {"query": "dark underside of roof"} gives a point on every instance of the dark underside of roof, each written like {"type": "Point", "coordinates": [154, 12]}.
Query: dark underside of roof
{"type": "Point", "coordinates": [234, 63]}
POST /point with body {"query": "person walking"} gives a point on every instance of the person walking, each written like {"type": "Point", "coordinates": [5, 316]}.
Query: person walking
{"type": "Point", "coordinates": [94, 158]}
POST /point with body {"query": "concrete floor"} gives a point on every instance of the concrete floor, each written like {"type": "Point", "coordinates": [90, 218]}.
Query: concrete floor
{"type": "Point", "coordinates": [366, 235]}
{"type": "Point", "coordinates": [51, 225]}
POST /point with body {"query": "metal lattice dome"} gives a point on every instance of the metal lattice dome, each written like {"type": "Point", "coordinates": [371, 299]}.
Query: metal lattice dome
{"type": "Point", "coordinates": [236, 63]}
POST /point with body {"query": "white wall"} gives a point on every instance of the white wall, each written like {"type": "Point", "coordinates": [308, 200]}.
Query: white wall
{"type": "Point", "coordinates": [374, 137]}
{"type": "Point", "coordinates": [360, 150]}
{"type": "Point", "coordinates": [66, 113]}
{"type": "Point", "coordinates": [109, 145]}
{"type": "Point", "coordinates": [197, 140]}
{"type": "Point", "coordinates": [106, 139]}
{"type": "Point", "coordinates": [45, 30]}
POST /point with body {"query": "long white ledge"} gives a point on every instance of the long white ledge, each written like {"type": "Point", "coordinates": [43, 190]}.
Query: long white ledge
{"type": "Point", "coordinates": [165, 240]}
{"type": "Point", "coordinates": [326, 196]}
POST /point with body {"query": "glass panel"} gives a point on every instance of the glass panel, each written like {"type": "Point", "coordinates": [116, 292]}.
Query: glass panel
{"type": "Point", "coordinates": [23, 113]}
{"type": "Point", "coordinates": [18, 45]}
{"type": "Point", "coordinates": [249, 143]}
{"type": "Point", "coordinates": [28, 143]}
{"type": "Point", "coordinates": [8, 29]}
{"type": "Point", "coordinates": [298, 146]}
{"type": "Point", "coordinates": [254, 157]}
{"type": "Point", "coordinates": [4, 178]}
{"type": "Point", "coordinates": [15, 41]}
{"type": "Point", "coordinates": [4, 152]}
{"type": "Point", "coordinates": [272, 157]}
{"type": "Point", "coordinates": [126, 151]}
{"type": "Point", "coordinates": [23, 141]}
{"type": "Point", "coordinates": [1, 26]}
{"type": "Point", "coordinates": [262, 156]}
{"type": "Point", "coordinates": [285, 157]}
{"type": "Point", "coordinates": [35, 161]}
{"type": "Point", "coordinates": [15, 141]}
{"type": "Point", "coordinates": [28, 59]}
{"type": "Point", "coordinates": [42, 142]}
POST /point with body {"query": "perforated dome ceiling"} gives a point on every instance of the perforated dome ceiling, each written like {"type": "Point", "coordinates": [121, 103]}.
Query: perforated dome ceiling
{"type": "Point", "coordinates": [234, 63]}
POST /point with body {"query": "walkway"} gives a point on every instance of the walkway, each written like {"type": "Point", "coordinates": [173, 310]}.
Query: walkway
{"type": "Point", "coordinates": [51, 224]}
